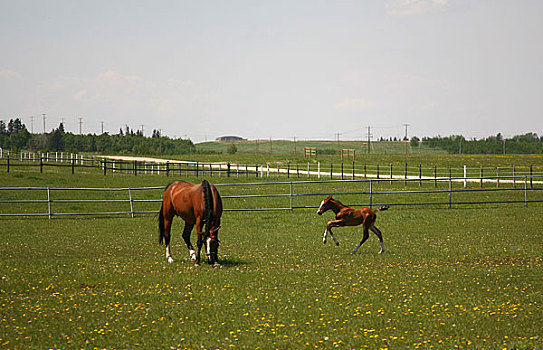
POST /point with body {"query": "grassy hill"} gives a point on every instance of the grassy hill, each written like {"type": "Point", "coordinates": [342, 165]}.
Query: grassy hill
{"type": "Point", "coordinates": [323, 147]}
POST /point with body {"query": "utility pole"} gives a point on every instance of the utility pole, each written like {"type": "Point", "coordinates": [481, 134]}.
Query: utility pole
{"type": "Point", "coordinates": [141, 129]}
{"type": "Point", "coordinates": [32, 124]}
{"type": "Point", "coordinates": [80, 124]}
{"type": "Point", "coordinates": [406, 138]}
{"type": "Point", "coordinates": [337, 138]}
{"type": "Point", "coordinates": [102, 123]}
{"type": "Point", "coordinates": [369, 139]}
{"type": "Point", "coordinates": [43, 115]}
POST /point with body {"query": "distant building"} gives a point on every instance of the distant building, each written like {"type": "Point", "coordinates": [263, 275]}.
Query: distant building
{"type": "Point", "coordinates": [229, 139]}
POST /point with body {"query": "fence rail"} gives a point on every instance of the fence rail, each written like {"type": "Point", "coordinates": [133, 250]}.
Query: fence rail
{"type": "Point", "coordinates": [129, 200]}
{"type": "Point", "coordinates": [310, 170]}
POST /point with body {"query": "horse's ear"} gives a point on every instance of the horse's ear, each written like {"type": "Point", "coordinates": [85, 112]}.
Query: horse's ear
{"type": "Point", "coordinates": [329, 197]}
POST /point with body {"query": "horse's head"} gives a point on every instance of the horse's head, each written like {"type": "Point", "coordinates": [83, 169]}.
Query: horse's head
{"type": "Point", "coordinates": [212, 246]}
{"type": "Point", "coordinates": [326, 204]}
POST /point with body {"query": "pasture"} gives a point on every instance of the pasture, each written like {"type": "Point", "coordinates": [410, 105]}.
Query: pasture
{"type": "Point", "coordinates": [469, 276]}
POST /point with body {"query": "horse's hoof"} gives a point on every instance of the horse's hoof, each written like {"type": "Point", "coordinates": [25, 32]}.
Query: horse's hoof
{"type": "Point", "coordinates": [170, 260]}
{"type": "Point", "coordinates": [216, 263]}
{"type": "Point", "coordinates": [337, 243]}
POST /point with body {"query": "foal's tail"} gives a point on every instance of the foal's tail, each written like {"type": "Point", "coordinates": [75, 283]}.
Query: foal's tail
{"type": "Point", "coordinates": [209, 215]}
{"type": "Point", "coordinates": [384, 207]}
{"type": "Point", "coordinates": [161, 228]}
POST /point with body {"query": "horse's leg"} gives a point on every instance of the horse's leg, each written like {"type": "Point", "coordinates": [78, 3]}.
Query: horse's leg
{"type": "Point", "coordinates": [364, 238]}
{"type": "Point", "coordinates": [186, 236]}
{"type": "Point", "coordinates": [380, 236]}
{"type": "Point", "coordinates": [200, 240]}
{"type": "Point", "coordinates": [167, 236]}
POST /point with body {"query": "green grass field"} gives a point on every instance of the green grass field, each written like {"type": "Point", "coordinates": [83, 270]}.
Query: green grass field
{"type": "Point", "coordinates": [467, 277]}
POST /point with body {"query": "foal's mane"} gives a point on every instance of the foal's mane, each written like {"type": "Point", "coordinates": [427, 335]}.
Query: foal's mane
{"type": "Point", "coordinates": [337, 202]}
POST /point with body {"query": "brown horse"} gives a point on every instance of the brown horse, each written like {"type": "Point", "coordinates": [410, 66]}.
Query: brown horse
{"type": "Point", "coordinates": [346, 216]}
{"type": "Point", "coordinates": [197, 205]}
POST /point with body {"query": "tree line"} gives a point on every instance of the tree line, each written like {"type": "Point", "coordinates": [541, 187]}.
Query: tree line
{"type": "Point", "coordinates": [529, 143]}
{"type": "Point", "coordinates": [14, 136]}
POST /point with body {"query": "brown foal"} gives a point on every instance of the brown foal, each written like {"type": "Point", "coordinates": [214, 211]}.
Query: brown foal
{"type": "Point", "coordinates": [346, 216]}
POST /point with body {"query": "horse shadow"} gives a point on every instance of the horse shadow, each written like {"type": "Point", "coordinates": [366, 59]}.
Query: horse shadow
{"type": "Point", "coordinates": [232, 262]}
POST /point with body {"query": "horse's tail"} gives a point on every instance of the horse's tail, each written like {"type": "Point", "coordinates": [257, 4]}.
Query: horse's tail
{"type": "Point", "coordinates": [384, 207]}
{"type": "Point", "coordinates": [208, 200]}
{"type": "Point", "coordinates": [161, 228]}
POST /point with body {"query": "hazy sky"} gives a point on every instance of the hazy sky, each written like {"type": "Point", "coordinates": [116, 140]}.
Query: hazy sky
{"type": "Point", "coordinates": [279, 69]}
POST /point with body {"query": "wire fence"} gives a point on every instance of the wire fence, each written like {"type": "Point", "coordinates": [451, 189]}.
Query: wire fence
{"type": "Point", "coordinates": [271, 171]}
{"type": "Point", "coordinates": [267, 196]}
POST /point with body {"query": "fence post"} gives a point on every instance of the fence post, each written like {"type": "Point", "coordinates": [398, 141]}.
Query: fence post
{"type": "Point", "coordinates": [365, 173]}
{"type": "Point", "coordinates": [450, 192]}
{"type": "Point", "coordinates": [498, 177]}
{"type": "Point", "coordinates": [49, 202]}
{"type": "Point", "coordinates": [41, 164]}
{"type": "Point", "coordinates": [465, 175]}
{"type": "Point", "coordinates": [371, 192]}
{"type": "Point", "coordinates": [531, 177]}
{"type": "Point", "coordinates": [342, 170]}
{"type": "Point", "coordinates": [228, 165]}
{"type": "Point", "coordinates": [197, 166]}
{"type": "Point", "coordinates": [331, 171]}
{"type": "Point", "coordinates": [288, 170]}
{"type": "Point", "coordinates": [420, 174]}
{"type": "Point", "coordinates": [73, 165]}
{"type": "Point", "coordinates": [167, 168]}
{"type": "Point", "coordinates": [319, 169]}
{"type": "Point", "coordinates": [377, 171]}
{"type": "Point", "coordinates": [481, 173]}
{"type": "Point", "coordinates": [435, 175]}
{"type": "Point", "coordinates": [308, 170]}
{"type": "Point", "coordinates": [256, 170]}
{"type": "Point", "coordinates": [105, 166]}
{"type": "Point", "coordinates": [291, 197]}
{"type": "Point", "coordinates": [8, 162]}
{"type": "Point", "coordinates": [131, 202]}
{"type": "Point", "coordinates": [391, 173]}
{"type": "Point", "coordinates": [405, 175]}
{"type": "Point", "coordinates": [514, 177]}
{"type": "Point", "coordinates": [353, 171]}
{"type": "Point", "coordinates": [525, 191]}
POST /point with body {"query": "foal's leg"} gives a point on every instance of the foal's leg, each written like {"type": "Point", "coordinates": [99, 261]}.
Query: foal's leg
{"type": "Point", "coordinates": [332, 223]}
{"type": "Point", "coordinates": [364, 238]}
{"type": "Point", "coordinates": [167, 237]}
{"type": "Point", "coordinates": [380, 236]}
{"type": "Point", "coordinates": [186, 236]}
